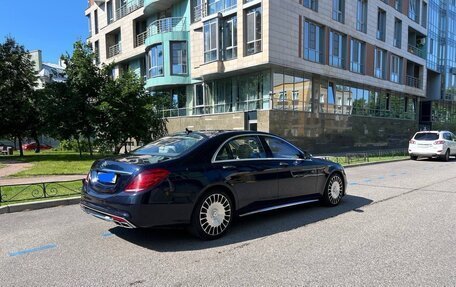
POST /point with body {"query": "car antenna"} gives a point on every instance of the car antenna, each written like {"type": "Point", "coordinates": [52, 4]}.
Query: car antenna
{"type": "Point", "coordinates": [187, 131]}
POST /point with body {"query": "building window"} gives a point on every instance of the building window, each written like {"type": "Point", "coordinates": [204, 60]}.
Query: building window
{"type": "Point", "coordinates": [337, 49]}
{"type": "Point", "coordinates": [311, 4]}
{"type": "Point", "coordinates": [357, 56]}
{"type": "Point", "coordinates": [109, 13]}
{"type": "Point", "coordinates": [89, 20]}
{"type": "Point", "coordinates": [396, 67]}
{"type": "Point", "coordinates": [398, 5]}
{"type": "Point", "coordinates": [424, 15]}
{"type": "Point", "coordinates": [397, 41]}
{"type": "Point", "coordinates": [230, 39]}
{"type": "Point", "coordinates": [381, 24]}
{"type": "Point", "coordinates": [210, 41]}
{"type": "Point", "coordinates": [97, 52]}
{"type": "Point", "coordinates": [253, 31]}
{"type": "Point", "coordinates": [379, 63]}
{"type": "Point", "coordinates": [361, 16]}
{"type": "Point", "coordinates": [313, 42]}
{"type": "Point", "coordinates": [156, 61]}
{"type": "Point", "coordinates": [414, 10]}
{"type": "Point", "coordinates": [179, 58]}
{"type": "Point", "coordinates": [338, 10]}
{"type": "Point", "coordinates": [95, 16]}
{"type": "Point", "coordinates": [215, 6]}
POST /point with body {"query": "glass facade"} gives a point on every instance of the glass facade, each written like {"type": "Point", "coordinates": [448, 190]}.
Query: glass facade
{"type": "Point", "coordinates": [289, 90]}
{"type": "Point", "coordinates": [441, 56]}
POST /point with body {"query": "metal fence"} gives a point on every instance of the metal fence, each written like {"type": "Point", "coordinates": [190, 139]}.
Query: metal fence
{"type": "Point", "coordinates": [36, 191]}
{"type": "Point", "coordinates": [365, 156]}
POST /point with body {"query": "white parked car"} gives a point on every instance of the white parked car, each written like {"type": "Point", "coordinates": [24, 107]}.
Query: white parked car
{"type": "Point", "coordinates": [439, 144]}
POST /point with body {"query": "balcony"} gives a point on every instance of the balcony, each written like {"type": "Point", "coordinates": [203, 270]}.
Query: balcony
{"type": "Point", "coordinates": [140, 39]}
{"type": "Point", "coordinates": [166, 25]}
{"type": "Point", "coordinates": [420, 52]}
{"type": "Point", "coordinates": [114, 50]}
{"type": "Point", "coordinates": [128, 8]}
{"type": "Point", "coordinates": [413, 82]}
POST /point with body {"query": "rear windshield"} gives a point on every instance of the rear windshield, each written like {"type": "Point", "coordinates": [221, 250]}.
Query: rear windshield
{"type": "Point", "coordinates": [427, 136]}
{"type": "Point", "coordinates": [170, 146]}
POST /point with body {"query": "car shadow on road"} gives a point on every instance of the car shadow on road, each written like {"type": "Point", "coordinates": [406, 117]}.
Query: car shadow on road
{"type": "Point", "coordinates": [244, 229]}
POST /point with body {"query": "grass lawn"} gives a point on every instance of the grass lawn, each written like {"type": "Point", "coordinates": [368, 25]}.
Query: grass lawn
{"type": "Point", "coordinates": [35, 192]}
{"type": "Point", "coordinates": [53, 163]}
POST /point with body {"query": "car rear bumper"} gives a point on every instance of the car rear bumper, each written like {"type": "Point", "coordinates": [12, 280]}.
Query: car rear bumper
{"type": "Point", "coordinates": [98, 213]}
{"type": "Point", "coordinates": [425, 153]}
{"type": "Point", "coordinates": [135, 210]}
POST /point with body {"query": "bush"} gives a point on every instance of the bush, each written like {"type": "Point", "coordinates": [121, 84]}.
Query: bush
{"type": "Point", "coordinates": [72, 145]}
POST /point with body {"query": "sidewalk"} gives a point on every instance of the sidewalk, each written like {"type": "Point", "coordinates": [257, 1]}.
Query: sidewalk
{"type": "Point", "coordinates": [40, 179]}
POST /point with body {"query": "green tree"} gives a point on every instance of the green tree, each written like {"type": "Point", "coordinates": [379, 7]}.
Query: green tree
{"type": "Point", "coordinates": [125, 111]}
{"type": "Point", "coordinates": [84, 85]}
{"type": "Point", "coordinates": [17, 81]}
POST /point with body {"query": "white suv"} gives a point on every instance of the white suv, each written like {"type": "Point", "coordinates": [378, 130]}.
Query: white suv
{"type": "Point", "coordinates": [440, 144]}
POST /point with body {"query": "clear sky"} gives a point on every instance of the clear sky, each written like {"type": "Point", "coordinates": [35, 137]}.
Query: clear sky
{"type": "Point", "coordinates": [51, 26]}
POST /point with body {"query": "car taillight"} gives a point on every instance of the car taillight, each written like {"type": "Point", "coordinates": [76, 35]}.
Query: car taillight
{"type": "Point", "coordinates": [147, 179]}
{"type": "Point", "coordinates": [412, 142]}
{"type": "Point", "coordinates": [439, 142]}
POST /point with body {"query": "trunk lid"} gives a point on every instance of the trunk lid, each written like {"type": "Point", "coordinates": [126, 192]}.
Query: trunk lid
{"type": "Point", "coordinates": [113, 174]}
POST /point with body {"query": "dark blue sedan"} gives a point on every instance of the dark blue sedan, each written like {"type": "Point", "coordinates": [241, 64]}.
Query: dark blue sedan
{"type": "Point", "coordinates": [204, 179]}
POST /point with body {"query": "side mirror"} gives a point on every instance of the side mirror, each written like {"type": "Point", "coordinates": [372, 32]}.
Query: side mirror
{"type": "Point", "coordinates": [305, 155]}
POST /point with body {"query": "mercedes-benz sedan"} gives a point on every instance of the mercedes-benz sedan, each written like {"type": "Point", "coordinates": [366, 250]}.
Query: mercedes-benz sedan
{"type": "Point", "coordinates": [204, 179]}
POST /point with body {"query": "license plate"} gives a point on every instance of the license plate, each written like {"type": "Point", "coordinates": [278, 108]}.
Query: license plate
{"type": "Point", "coordinates": [107, 177]}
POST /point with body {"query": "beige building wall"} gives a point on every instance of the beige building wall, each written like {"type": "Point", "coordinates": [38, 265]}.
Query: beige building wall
{"type": "Point", "coordinates": [125, 25]}
{"type": "Point", "coordinates": [285, 42]}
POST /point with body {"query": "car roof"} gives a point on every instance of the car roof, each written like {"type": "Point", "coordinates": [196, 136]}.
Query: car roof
{"type": "Point", "coordinates": [422, 132]}
{"type": "Point", "coordinates": [213, 133]}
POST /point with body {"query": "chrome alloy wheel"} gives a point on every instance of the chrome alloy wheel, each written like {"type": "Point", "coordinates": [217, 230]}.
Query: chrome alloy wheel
{"type": "Point", "coordinates": [215, 214]}
{"type": "Point", "coordinates": [335, 188]}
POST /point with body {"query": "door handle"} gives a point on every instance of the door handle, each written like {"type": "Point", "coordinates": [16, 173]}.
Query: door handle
{"type": "Point", "coordinates": [228, 167]}
{"type": "Point", "coordinates": [283, 164]}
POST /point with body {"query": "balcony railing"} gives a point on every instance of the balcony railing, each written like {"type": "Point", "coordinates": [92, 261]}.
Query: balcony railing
{"type": "Point", "coordinates": [166, 25]}
{"type": "Point", "coordinates": [140, 39]}
{"type": "Point", "coordinates": [129, 7]}
{"type": "Point", "coordinates": [417, 51]}
{"type": "Point", "coordinates": [114, 50]}
{"type": "Point", "coordinates": [218, 6]}
{"type": "Point", "coordinates": [413, 82]}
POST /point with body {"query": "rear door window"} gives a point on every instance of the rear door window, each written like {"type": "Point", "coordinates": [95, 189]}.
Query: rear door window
{"type": "Point", "coordinates": [447, 136]}
{"type": "Point", "coordinates": [246, 147]}
{"type": "Point", "coordinates": [426, 136]}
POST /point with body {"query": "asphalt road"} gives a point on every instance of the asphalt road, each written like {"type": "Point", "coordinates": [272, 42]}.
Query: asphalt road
{"type": "Point", "coordinates": [396, 227]}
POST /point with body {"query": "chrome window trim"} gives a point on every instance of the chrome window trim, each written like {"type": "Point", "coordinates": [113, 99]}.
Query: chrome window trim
{"type": "Point", "coordinates": [114, 171]}
{"type": "Point", "coordinates": [213, 160]}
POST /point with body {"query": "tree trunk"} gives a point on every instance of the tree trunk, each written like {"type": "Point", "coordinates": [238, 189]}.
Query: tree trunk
{"type": "Point", "coordinates": [35, 137]}
{"type": "Point", "coordinates": [90, 146]}
{"type": "Point", "coordinates": [21, 151]}
{"type": "Point", "coordinates": [79, 147]}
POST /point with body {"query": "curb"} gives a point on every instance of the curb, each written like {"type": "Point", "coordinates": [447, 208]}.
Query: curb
{"type": "Point", "coordinates": [39, 205]}
{"type": "Point", "coordinates": [374, 163]}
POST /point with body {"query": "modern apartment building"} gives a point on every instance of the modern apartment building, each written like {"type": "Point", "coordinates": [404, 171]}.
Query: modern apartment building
{"type": "Point", "coordinates": [328, 75]}
{"type": "Point", "coordinates": [438, 111]}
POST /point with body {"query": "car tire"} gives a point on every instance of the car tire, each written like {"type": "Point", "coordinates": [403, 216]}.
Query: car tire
{"type": "Point", "coordinates": [413, 157]}
{"type": "Point", "coordinates": [446, 156]}
{"type": "Point", "coordinates": [334, 190]}
{"type": "Point", "coordinates": [212, 216]}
